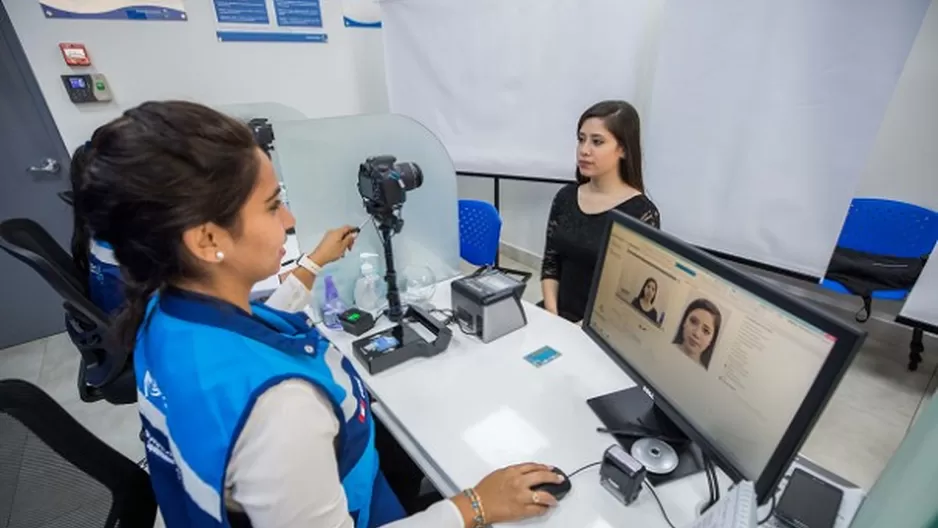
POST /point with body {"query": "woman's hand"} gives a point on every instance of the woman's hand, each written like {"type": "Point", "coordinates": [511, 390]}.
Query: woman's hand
{"type": "Point", "coordinates": [333, 246]}
{"type": "Point", "coordinates": [506, 496]}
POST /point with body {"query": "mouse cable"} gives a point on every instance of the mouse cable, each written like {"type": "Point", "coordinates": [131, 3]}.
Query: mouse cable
{"type": "Point", "coordinates": [584, 468]}
{"type": "Point", "coordinates": [769, 515]}
{"type": "Point", "coordinates": [660, 506]}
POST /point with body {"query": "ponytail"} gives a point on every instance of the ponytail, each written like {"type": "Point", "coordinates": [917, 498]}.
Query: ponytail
{"type": "Point", "coordinates": [137, 297]}
{"type": "Point", "coordinates": [81, 232]}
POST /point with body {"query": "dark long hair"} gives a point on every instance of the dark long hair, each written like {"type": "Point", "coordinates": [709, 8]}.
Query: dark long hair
{"type": "Point", "coordinates": [81, 232]}
{"type": "Point", "coordinates": [641, 292]}
{"type": "Point", "coordinates": [622, 121]}
{"type": "Point", "coordinates": [707, 306]}
{"type": "Point", "coordinates": [151, 174]}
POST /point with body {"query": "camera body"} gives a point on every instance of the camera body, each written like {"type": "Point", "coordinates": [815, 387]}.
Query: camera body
{"type": "Point", "coordinates": [263, 133]}
{"type": "Point", "coordinates": [383, 183]}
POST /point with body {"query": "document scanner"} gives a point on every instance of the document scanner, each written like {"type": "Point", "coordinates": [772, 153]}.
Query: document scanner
{"type": "Point", "coordinates": [487, 304]}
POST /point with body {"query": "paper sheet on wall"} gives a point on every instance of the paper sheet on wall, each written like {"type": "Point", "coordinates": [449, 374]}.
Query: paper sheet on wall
{"type": "Point", "coordinates": [361, 13]}
{"type": "Point", "coordinates": [269, 21]}
{"type": "Point", "coordinates": [115, 9]}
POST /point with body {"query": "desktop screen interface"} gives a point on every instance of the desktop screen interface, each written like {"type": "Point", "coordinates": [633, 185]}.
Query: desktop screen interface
{"type": "Point", "coordinates": [735, 367]}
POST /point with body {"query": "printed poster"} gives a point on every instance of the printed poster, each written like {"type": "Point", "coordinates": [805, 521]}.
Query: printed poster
{"type": "Point", "coordinates": [115, 9]}
{"type": "Point", "coordinates": [269, 21]}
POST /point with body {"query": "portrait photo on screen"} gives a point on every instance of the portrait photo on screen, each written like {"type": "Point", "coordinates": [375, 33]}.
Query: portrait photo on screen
{"type": "Point", "coordinates": [647, 291]}
{"type": "Point", "coordinates": [698, 331]}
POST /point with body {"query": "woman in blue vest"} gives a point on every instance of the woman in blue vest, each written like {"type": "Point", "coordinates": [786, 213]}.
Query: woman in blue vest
{"type": "Point", "coordinates": [251, 418]}
{"type": "Point", "coordinates": [94, 258]}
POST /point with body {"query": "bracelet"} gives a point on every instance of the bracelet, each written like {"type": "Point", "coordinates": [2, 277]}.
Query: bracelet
{"type": "Point", "coordinates": [307, 263]}
{"type": "Point", "coordinates": [479, 520]}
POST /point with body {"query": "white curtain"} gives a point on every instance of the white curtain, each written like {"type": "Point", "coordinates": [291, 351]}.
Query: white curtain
{"type": "Point", "coordinates": [758, 115]}
{"type": "Point", "coordinates": [762, 117]}
{"type": "Point", "coordinates": [503, 82]}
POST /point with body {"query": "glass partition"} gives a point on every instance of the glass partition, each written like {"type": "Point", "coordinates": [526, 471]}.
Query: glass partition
{"type": "Point", "coordinates": [904, 495]}
{"type": "Point", "coordinates": [270, 111]}
{"type": "Point", "coordinates": [319, 160]}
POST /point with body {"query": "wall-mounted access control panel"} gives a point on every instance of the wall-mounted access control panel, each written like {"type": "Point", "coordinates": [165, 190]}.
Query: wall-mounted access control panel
{"type": "Point", "coordinates": [87, 88]}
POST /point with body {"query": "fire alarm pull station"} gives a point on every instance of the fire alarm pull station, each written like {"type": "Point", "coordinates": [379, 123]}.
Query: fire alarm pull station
{"type": "Point", "coordinates": [75, 54]}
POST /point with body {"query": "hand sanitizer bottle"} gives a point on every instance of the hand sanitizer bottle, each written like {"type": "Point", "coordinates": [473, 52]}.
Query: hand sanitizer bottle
{"type": "Point", "coordinates": [369, 288]}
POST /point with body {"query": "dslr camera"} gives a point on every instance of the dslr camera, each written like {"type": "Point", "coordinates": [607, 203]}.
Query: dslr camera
{"type": "Point", "coordinates": [383, 183]}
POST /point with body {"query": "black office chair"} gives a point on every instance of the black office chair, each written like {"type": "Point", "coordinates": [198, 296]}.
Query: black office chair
{"type": "Point", "coordinates": [54, 472]}
{"type": "Point", "coordinates": [106, 371]}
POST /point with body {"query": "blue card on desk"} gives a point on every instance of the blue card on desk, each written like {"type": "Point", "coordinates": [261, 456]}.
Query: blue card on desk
{"type": "Point", "coordinates": [542, 356]}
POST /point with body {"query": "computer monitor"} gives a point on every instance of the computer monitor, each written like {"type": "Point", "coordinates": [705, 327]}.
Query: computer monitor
{"type": "Point", "coordinates": [738, 366]}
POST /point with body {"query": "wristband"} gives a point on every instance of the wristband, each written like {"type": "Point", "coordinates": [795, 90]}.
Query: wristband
{"type": "Point", "coordinates": [307, 263]}
{"type": "Point", "coordinates": [478, 521]}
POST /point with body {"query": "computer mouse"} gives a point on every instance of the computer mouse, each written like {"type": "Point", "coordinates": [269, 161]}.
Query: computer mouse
{"type": "Point", "coordinates": [558, 490]}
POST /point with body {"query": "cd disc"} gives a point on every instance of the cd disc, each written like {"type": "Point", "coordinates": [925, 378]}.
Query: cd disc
{"type": "Point", "coordinates": [657, 456]}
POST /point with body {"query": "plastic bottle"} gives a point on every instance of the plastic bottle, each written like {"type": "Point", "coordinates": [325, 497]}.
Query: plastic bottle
{"type": "Point", "coordinates": [369, 288]}
{"type": "Point", "coordinates": [333, 305]}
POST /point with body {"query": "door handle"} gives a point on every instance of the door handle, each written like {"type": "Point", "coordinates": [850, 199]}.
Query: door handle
{"type": "Point", "coordinates": [48, 166]}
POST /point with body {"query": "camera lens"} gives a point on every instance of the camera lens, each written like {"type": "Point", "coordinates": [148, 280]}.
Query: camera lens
{"type": "Point", "coordinates": [411, 175]}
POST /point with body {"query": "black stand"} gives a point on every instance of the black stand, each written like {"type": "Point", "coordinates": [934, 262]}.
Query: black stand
{"type": "Point", "coordinates": [632, 408]}
{"type": "Point", "coordinates": [389, 223]}
{"type": "Point", "coordinates": [916, 347]}
{"type": "Point", "coordinates": [395, 313]}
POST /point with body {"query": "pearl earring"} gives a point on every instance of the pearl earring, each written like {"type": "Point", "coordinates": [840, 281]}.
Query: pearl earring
{"type": "Point", "coordinates": [220, 256]}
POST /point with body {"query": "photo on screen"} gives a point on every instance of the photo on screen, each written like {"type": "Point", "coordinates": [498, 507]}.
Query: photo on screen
{"type": "Point", "coordinates": [647, 291]}
{"type": "Point", "coordinates": [698, 331]}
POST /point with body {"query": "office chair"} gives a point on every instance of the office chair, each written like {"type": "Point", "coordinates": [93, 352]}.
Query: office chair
{"type": "Point", "coordinates": [54, 472]}
{"type": "Point", "coordinates": [106, 371]}
{"type": "Point", "coordinates": [888, 228]}
{"type": "Point", "coordinates": [480, 229]}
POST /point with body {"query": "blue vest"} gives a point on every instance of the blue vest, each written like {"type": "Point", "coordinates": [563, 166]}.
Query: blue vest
{"type": "Point", "coordinates": [200, 366]}
{"type": "Point", "coordinates": [105, 285]}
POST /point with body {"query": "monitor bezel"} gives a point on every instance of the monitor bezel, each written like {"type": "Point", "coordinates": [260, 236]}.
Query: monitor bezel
{"type": "Point", "coordinates": [848, 341]}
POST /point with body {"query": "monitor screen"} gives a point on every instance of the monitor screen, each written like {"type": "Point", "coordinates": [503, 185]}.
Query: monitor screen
{"type": "Point", "coordinates": [734, 366]}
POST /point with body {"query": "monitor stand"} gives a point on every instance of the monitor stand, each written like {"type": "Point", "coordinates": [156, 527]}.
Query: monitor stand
{"type": "Point", "coordinates": [632, 407]}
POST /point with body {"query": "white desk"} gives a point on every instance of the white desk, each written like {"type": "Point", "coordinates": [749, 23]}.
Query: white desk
{"type": "Point", "coordinates": [478, 407]}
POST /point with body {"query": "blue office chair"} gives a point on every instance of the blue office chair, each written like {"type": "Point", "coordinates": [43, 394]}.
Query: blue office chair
{"type": "Point", "coordinates": [889, 228]}
{"type": "Point", "coordinates": [480, 230]}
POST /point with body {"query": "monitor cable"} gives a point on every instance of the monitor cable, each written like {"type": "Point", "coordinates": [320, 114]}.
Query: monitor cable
{"type": "Point", "coordinates": [713, 483]}
{"type": "Point", "coordinates": [771, 512]}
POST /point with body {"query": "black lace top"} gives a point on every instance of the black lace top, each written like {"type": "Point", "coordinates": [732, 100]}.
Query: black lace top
{"type": "Point", "coordinates": [573, 244]}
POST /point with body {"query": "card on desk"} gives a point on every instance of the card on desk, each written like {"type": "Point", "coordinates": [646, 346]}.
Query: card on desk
{"type": "Point", "coordinates": [542, 356]}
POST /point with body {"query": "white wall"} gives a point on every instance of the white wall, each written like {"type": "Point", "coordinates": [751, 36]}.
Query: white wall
{"type": "Point", "coordinates": [904, 162]}
{"type": "Point", "coordinates": [161, 60]}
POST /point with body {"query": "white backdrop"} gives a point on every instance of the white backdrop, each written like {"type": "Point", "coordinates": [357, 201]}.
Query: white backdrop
{"type": "Point", "coordinates": [922, 304]}
{"type": "Point", "coordinates": [503, 82]}
{"type": "Point", "coordinates": [763, 115]}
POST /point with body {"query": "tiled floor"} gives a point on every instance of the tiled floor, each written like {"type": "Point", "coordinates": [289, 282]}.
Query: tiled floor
{"type": "Point", "coordinates": [863, 424]}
